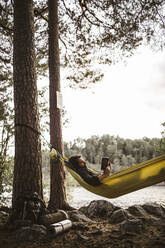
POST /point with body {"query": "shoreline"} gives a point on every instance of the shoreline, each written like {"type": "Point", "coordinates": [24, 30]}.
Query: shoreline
{"type": "Point", "coordinates": [152, 194]}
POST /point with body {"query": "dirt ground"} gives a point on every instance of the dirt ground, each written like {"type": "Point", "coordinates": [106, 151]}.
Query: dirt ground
{"type": "Point", "coordinates": [92, 235]}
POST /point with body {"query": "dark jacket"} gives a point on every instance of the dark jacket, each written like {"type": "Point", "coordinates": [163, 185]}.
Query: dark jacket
{"type": "Point", "coordinates": [88, 176]}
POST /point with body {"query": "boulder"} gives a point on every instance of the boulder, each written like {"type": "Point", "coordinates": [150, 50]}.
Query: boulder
{"type": "Point", "coordinates": [154, 209]}
{"type": "Point", "coordinates": [137, 211]}
{"type": "Point", "coordinates": [78, 216]}
{"type": "Point", "coordinates": [21, 223]}
{"type": "Point", "coordinates": [150, 213]}
{"type": "Point", "coordinates": [131, 226]}
{"type": "Point", "coordinates": [99, 208]}
{"type": "Point", "coordinates": [154, 221]}
{"type": "Point", "coordinates": [119, 216]}
{"type": "Point", "coordinates": [30, 233]}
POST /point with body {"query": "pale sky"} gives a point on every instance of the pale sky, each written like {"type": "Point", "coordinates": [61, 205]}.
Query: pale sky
{"type": "Point", "coordinates": [129, 101]}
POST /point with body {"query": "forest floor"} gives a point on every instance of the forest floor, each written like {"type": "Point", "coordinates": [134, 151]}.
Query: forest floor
{"type": "Point", "coordinates": [92, 235]}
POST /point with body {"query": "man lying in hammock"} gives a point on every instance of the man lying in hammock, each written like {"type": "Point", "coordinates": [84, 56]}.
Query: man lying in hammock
{"type": "Point", "coordinates": [88, 176]}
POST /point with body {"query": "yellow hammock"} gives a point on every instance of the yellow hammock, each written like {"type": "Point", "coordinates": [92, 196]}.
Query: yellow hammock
{"type": "Point", "coordinates": [125, 181]}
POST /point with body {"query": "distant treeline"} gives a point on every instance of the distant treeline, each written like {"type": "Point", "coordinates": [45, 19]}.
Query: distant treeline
{"type": "Point", "coordinates": [122, 152]}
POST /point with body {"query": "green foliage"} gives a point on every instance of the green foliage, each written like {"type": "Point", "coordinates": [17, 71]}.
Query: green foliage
{"type": "Point", "coordinates": [6, 177]}
{"type": "Point", "coordinates": [91, 33]}
{"type": "Point", "coordinates": [105, 31]}
{"type": "Point", "coordinates": [122, 152]}
{"type": "Point", "coordinates": [161, 144]}
{"type": "Point", "coordinates": [6, 128]}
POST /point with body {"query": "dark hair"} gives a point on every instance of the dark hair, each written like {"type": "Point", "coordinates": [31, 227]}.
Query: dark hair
{"type": "Point", "coordinates": [73, 160]}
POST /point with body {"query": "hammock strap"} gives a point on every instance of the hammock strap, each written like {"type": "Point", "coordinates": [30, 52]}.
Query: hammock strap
{"type": "Point", "coordinates": [56, 156]}
{"type": "Point", "coordinates": [34, 131]}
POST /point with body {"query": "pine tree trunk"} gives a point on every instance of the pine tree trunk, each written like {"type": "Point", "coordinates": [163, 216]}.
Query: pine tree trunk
{"type": "Point", "coordinates": [57, 188]}
{"type": "Point", "coordinates": [27, 169]}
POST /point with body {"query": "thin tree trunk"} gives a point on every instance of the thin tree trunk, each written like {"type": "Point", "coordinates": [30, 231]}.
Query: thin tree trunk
{"type": "Point", "coordinates": [57, 188]}
{"type": "Point", "coordinates": [27, 168]}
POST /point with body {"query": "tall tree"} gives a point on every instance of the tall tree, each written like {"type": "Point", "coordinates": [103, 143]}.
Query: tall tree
{"type": "Point", "coordinates": [57, 187]}
{"type": "Point", "coordinates": [27, 168]}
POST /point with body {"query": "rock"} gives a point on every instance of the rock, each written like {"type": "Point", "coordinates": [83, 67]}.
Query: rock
{"type": "Point", "coordinates": [17, 224]}
{"type": "Point", "coordinates": [131, 226]}
{"type": "Point", "coordinates": [82, 237]}
{"type": "Point", "coordinates": [154, 209]}
{"type": "Point", "coordinates": [154, 221]}
{"type": "Point", "coordinates": [34, 232]}
{"type": "Point", "coordinates": [80, 226]}
{"type": "Point", "coordinates": [77, 216]}
{"type": "Point", "coordinates": [99, 208]}
{"type": "Point", "coordinates": [137, 210]}
{"type": "Point", "coordinates": [21, 223]}
{"type": "Point", "coordinates": [151, 214]}
{"type": "Point", "coordinates": [119, 216]}
{"type": "Point", "coordinates": [157, 242]}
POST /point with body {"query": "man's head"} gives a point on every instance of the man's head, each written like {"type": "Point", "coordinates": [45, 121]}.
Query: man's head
{"type": "Point", "coordinates": [77, 162]}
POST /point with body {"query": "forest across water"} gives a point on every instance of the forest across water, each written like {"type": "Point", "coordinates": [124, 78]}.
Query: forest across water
{"type": "Point", "coordinates": [122, 152]}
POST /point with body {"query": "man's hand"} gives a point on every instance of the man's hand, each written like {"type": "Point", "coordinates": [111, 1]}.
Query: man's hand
{"type": "Point", "coordinates": [107, 170]}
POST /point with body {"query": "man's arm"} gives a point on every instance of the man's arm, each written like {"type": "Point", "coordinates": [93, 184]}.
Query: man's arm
{"type": "Point", "coordinates": [105, 173]}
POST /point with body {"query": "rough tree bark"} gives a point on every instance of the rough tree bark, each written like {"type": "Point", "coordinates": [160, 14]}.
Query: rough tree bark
{"type": "Point", "coordinates": [27, 168]}
{"type": "Point", "coordinates": [57, 174]}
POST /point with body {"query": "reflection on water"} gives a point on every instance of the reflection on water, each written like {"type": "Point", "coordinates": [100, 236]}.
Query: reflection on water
{"type": "Point", "coordinates": [82, 197]}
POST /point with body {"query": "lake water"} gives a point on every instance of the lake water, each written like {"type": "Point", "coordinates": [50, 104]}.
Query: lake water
{"type": "Point", "coordinates": [82, 197]}
{"type": "Point", "coordinates": [153, 194]}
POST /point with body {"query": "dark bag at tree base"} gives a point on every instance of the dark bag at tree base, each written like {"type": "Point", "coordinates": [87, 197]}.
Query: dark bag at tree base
{"type": "Point", "coordinates": [29, 207]}
{"type": "Point", "coordinates": [34, 208]}
{"type": "Point", "coordinates": [60, 227]}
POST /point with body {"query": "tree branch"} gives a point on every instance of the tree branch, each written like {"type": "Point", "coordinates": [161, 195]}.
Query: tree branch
{"type": "Point", "coordinates": [6, 61]}
{"type": "Point", "coordinates": [40, 13]}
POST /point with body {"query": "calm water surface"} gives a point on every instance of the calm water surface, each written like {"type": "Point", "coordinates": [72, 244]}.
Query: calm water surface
{"type": "Point", "coordinates": [153, 194]}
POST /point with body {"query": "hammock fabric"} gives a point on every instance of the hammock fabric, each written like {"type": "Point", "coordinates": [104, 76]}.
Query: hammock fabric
{"type": "Point", "coordinates": [125, 181]}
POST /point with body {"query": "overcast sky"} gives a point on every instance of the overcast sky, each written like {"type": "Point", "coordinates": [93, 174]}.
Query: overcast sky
{"type": "Point", "coordinates": [129, 102]}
